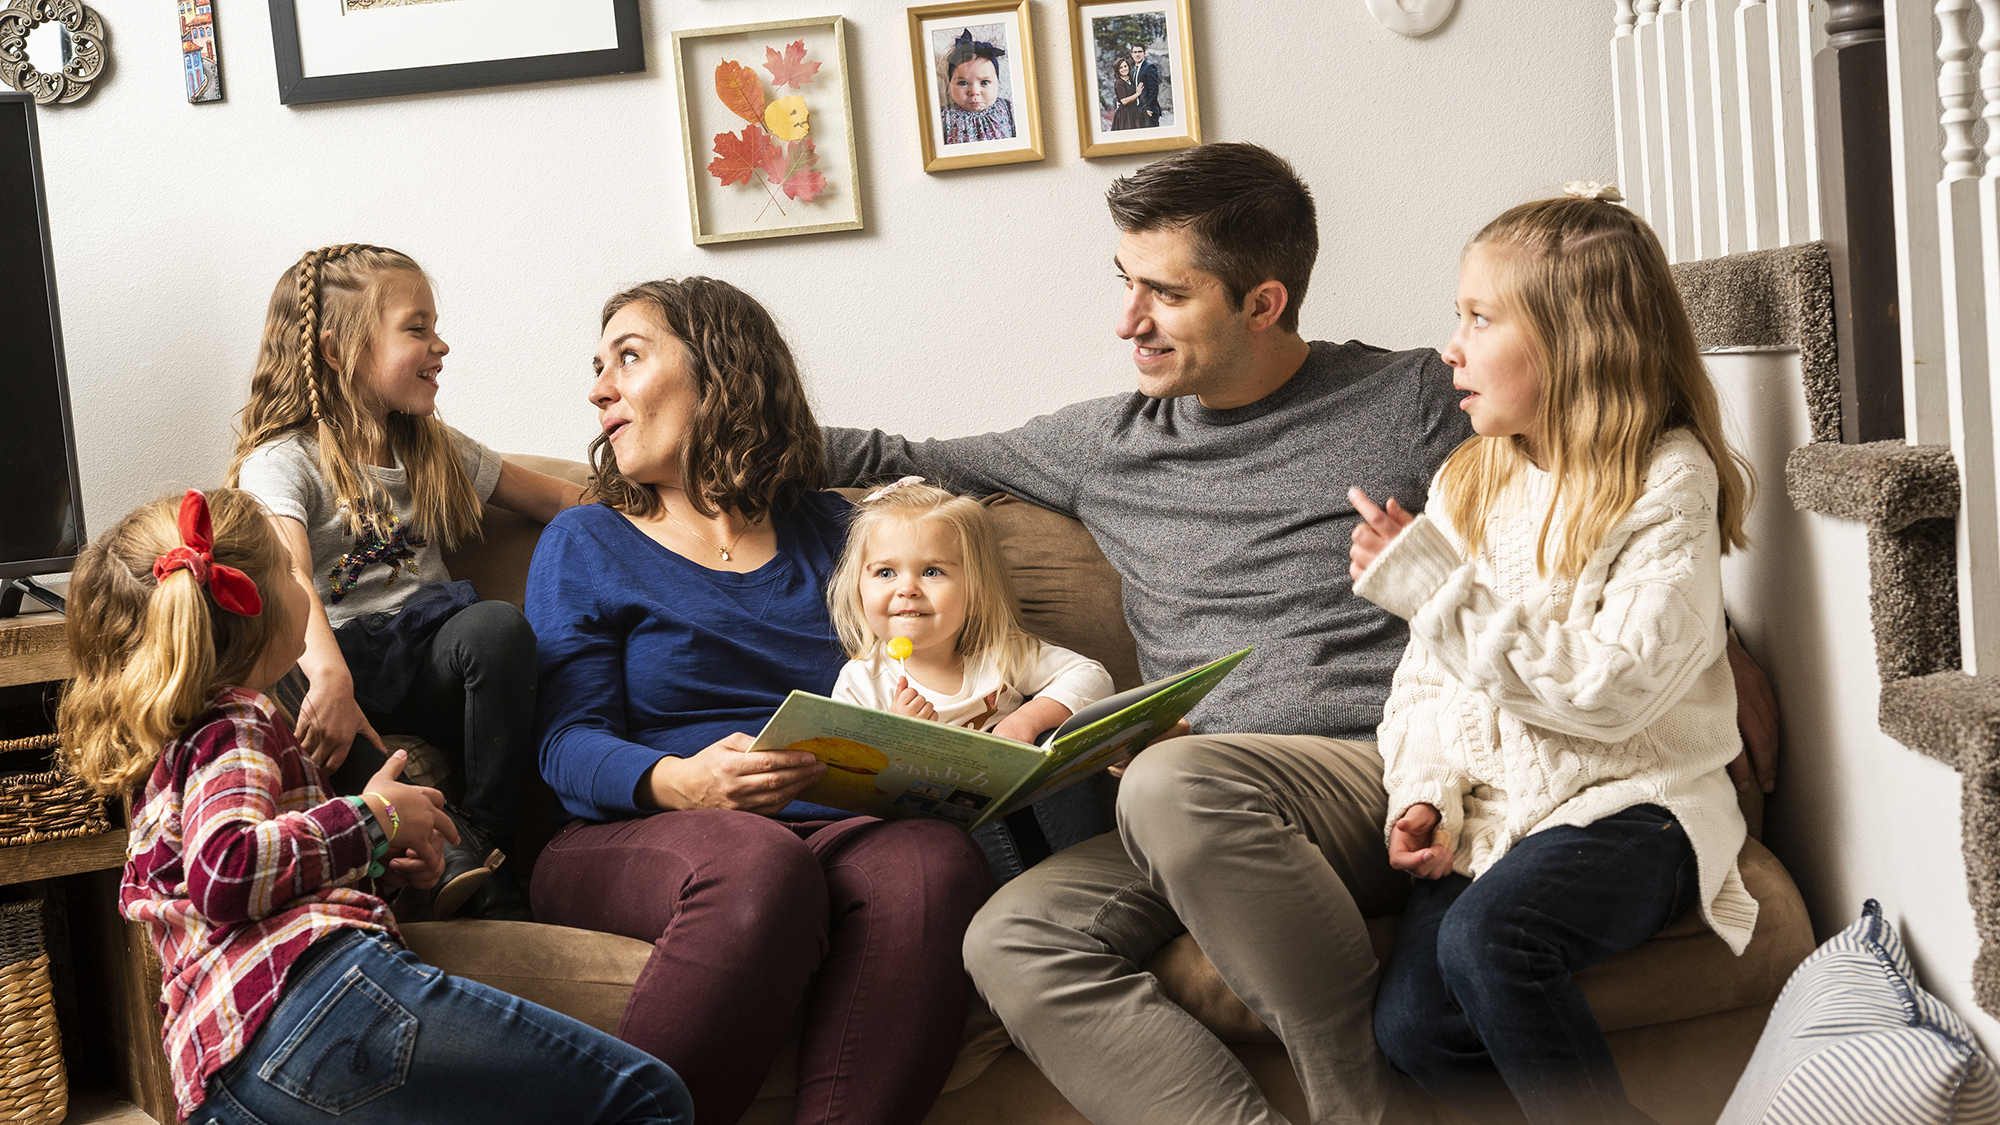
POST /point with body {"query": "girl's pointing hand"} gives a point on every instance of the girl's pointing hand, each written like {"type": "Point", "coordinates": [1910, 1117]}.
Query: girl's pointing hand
{"type": "Point", "coordinates": [1372, 535]}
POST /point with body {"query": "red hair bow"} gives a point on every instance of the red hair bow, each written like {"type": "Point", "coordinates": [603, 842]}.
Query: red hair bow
{"type": "Point", "coordinates": [232, 589]}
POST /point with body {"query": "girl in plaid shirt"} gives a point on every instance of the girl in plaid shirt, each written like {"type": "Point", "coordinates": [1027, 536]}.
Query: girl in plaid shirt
{"type": "Point", "coordinates": [287, 993]}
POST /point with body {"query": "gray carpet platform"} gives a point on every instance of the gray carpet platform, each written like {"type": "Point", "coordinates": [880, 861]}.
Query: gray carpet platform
{"type": "Point", "coordinates": [1908, 498]}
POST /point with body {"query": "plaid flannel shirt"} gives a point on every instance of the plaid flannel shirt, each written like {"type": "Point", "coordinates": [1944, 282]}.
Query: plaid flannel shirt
{"type": "Point", "coordinates": [239, 860]}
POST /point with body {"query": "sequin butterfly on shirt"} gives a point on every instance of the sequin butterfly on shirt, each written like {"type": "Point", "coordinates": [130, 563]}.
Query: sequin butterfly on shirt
{"type": "Point", "coordinates": [397, 550]}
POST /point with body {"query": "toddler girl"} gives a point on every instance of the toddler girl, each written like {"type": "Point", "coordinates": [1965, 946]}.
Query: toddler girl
{"type": "Point", "coordinates": [974, 109]}
{"type": "Point", "coordinates": [1556, 737]}
{"type": "Point", "coordinates": [367, 488]}
{"type": "Point", "coordinates": [287, 993]}
{"type": "Point", "coordinates": [922, 566]}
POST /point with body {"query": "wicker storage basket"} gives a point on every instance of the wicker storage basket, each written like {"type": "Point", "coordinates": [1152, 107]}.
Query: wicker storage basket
{"type": "Point", "coordinates": [33, 1087]}
{"type": "Point", "coordinates": [53, 805]}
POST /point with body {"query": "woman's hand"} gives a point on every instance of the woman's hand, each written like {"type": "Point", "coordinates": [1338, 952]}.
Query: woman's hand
{"type": "Point", "coordinates": [730, 775]}
{"type": "Point", "coordinates": [1417, 845]}
{"type": "Point", "coordinates": [909, 701]}
{"type": "Point", "coordinates": [1372, 536]}
{"type": "Point", "coordinates": [329, 718]}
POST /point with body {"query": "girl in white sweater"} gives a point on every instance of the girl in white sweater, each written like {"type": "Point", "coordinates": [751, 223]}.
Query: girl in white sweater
{"type": "Point", "coordinates": [1555, 740]}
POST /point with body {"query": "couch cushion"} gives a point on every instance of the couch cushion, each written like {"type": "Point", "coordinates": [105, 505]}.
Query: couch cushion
{"type": "Point", "coordinates": [580, 973]}
{"type": "Point", "coordinates": [588, 976]}
{"type": "Point", "coordinates": [497, 563]}
{"type": "Point", "coordinates": [1682, 972]}
{"type": "Point", "coordinates": [1854, 1039]}
{"type": "Point", "coordinates": [1069, 594]}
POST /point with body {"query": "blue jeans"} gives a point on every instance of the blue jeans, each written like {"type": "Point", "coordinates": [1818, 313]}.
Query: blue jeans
{"type": "Point", "coordinates": [1477, 1003]}
{"type": "Point", "coordinates": [365, 1032]}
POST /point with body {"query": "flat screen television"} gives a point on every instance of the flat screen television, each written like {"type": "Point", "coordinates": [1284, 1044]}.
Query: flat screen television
{"type": "Point", "coordinates": [41, 499]}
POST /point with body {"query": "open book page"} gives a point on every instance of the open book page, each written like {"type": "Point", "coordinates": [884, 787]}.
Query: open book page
{"type": "Point", "coordinates": [894, 766]}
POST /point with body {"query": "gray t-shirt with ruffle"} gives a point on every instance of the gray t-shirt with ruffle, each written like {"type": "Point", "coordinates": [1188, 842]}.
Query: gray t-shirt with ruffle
{"type": "Point", "coordinates": [357, 575]}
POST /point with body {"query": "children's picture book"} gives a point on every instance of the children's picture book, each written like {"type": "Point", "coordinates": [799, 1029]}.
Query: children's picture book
{"type": "Point", "coordinates": [894, 766]}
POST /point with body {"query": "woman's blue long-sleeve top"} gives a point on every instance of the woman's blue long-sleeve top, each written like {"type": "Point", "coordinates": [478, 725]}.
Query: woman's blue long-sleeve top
{"type": "Point", "coordinates": [643, 654]}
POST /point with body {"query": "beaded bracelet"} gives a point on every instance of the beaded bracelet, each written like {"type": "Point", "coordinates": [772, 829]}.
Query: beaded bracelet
{"type": "Point", "coordinates": [395, 822]}
{"type": "Point", "coordinates": [368, 821]}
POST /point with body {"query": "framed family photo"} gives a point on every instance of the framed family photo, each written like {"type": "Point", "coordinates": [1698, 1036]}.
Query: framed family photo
{"type": "Point", "coordinates": [1135, 84]}
{"type": "Point", "coordinates": [333, 50]}
{"type": "Point", "coordinates": [974, 63]}
{"type": "Point", "coordinates": [768, 128]}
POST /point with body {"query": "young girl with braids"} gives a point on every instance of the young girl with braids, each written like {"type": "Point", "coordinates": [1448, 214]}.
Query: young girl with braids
{"type": "Point", "coordinates": [1556, 739]}
{"type": "Point", "coordinates": [367, 488]}
{"type": "Point", "coordinates": [262, 891]}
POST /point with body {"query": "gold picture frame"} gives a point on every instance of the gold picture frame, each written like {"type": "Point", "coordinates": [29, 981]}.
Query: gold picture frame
{"type": "Point", "coordinates": [771, 104]}
{"type": "Point", "coordinates": [995, 28]}
{"type": "Point", "coordinates": [1169, 117]}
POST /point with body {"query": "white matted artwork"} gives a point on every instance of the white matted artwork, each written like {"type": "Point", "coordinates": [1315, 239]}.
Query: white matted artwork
{"type": "Point", "coordinates": [350, 37]}
{"type": "Point", "coordinates": [974, 63]}
{"type": "Point", "coordinates": [1135, 76]}
{"type": "Point", "coordinates": [767, 125]}
{"type": "Point", "coordinates": [329, 50]}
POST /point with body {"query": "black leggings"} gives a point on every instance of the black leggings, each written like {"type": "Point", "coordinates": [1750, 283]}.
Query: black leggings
{"type": "Point", "coordinates": [473, 697]}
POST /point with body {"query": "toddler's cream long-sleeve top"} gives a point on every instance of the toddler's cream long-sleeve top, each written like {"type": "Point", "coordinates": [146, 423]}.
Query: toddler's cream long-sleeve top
{"type": "Point", "coordinates": [1525, 701]}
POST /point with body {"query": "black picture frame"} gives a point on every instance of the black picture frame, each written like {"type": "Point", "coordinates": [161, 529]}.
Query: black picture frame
{"type": "Point", "coordinates": [294, 88]}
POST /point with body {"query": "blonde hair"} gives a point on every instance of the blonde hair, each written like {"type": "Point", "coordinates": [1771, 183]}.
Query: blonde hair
{"type": "Point", "coordinates": [1620, 368]}
{"type": "Point", "coordinates": [147, 654]}
{"type": "Point", "coordinates": [993, 629]}
{"type": "Point", "coordinates": [342, 290]}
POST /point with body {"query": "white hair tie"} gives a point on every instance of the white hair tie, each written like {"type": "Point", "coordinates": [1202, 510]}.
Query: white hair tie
{"type": "Point", "coordinates": [889, 488]}
{"type": "Point", "coordinates": [1591, 189]}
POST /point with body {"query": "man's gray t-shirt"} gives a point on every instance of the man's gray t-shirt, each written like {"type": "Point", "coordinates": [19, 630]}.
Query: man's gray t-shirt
{"type": "Point", "coordinates": [357, 575]}
{"type": "Point", "coordinates": [1228, 527]}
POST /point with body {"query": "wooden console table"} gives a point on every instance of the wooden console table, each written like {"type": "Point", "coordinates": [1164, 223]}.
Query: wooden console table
{"type": "Point", "coordinates": [123, 1006]}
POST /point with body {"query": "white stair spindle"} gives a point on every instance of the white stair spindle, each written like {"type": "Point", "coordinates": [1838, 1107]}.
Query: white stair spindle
{"type": "Point", "coordinates": [1988, 241]}
{"type": "Point", "coordinates": [1726, 126]}
{"type": "Point", "coordinates": [1625, 100]}
{"type": "Point", "coordinates": [1699, 127]}
{"type": "Point", "coordinates": [1916, 168]}
{"type": "Point", "coordinates": [1652, 196]}
{"type": "Point", "coordinates": [1760, 128]}
{"type": "Point", "coordinates": [1965, 347]}
{"type": "Point", "coordinates": [1670, 40]}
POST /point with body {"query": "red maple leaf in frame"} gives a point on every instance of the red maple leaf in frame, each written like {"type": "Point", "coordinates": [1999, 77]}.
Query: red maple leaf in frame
{"type": "Point", "coordinates": [738, 158]}
{"type": "Point", "coordinates": [790, 167]}
{"type": "Point", "coordinates": [791, 68]}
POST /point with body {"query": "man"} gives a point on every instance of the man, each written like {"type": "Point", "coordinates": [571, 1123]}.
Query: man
{"type": "Point", "coordinates": [1147, 74]}
{"type": "Point", "coordinates": [1219, 493]}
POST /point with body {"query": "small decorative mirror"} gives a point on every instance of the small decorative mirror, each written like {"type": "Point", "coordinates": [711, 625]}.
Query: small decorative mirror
{"type": "Point", "coordinates": [52, 49]}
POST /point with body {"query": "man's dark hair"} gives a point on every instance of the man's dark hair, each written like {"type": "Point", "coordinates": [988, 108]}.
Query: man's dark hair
{"type": "Point", "coordinates": [1251, 217]}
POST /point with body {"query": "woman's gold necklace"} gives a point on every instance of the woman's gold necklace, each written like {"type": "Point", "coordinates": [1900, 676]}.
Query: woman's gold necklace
{"type": "Point", "coordinates": [722, 550]}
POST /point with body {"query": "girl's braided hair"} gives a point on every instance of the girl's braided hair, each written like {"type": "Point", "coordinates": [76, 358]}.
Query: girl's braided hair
{"type": "Point", "coordinates": [340, 291]}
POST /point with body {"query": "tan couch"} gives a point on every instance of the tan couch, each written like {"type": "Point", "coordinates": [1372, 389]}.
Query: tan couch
{"type": "Point", "coordinates": [1682, 1014]}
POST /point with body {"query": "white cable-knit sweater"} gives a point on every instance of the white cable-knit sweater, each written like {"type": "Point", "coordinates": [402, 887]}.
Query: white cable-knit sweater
{"type": "Point", "coordinates": [1525, 702]}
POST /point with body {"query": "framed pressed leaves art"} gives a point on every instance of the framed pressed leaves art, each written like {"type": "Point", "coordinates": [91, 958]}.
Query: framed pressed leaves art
{"type": "Point", "coordinates": [1135, 85]}
{"type": "Point", "coordinates": [974, 63]}
{"type": "Point", "coordinates": [330, 50]}
{"type": "Point", "coordinates": [768, 128]}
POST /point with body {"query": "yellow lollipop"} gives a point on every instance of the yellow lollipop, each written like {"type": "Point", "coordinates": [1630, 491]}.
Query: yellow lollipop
{"type": "Point", "coordinates": [900, 648]}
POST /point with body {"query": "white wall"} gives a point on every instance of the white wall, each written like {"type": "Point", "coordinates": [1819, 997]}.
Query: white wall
{"type": "Point", "coordinates": [1857, 815]}
{"type": "Point", "coordinates": [973, 300]}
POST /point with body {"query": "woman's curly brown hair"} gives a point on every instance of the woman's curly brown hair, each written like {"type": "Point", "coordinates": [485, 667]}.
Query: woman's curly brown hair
{"type": "Point", "coordinates": [752, 446]}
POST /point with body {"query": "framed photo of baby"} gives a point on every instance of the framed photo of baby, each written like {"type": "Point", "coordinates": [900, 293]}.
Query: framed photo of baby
{"type": "Point", "coordinates": [974, 64]}
{"type": "Point", "coordinates": [1135, 85]}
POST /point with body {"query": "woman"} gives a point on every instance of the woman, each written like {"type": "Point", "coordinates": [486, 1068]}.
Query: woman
{"type": "Point", "coordinates": [1125, 95]}
{"type": "Point", "coordinates": [672, 617]}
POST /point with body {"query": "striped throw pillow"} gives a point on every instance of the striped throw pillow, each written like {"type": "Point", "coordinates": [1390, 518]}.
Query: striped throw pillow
{"type": "Point", "coordinates": [1854, 1040]}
